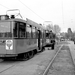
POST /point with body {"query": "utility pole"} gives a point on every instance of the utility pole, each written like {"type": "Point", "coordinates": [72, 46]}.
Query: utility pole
{"type": "Point", "coordinates": [62, 12]}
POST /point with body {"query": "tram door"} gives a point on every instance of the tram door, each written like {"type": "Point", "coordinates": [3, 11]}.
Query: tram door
{"type": "Point", "coordinates": [39, 39]}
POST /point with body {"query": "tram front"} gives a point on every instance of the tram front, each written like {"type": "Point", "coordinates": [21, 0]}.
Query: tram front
{"type": "Point", "coordinates": [6, 41]}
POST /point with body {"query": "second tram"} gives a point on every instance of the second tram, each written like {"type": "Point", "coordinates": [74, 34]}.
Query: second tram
{"type": "Point", "coordinates": [50, 39]}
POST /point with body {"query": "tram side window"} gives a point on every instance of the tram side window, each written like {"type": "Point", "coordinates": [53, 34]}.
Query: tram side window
{"type": "Point", "coordinates": [42, 34]}
{"type": "Point", "coordinates": [47, 35]}
{"type": "Point", "coordinates": [33, 32]}
{"type": "Point", "coordinates": [36, 33]}
{"type": "Point", "coordinates": [16, 30]}
{"type": "Point", "coordinates": [22, 30]}
{"type": "Point", "coordinates": [28, 30]}
{"type": "Point", "coordinates": [19, 29]}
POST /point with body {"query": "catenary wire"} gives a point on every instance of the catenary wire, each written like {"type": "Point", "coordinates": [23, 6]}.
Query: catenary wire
{"type": "Point", "coordinates": [30, 9]}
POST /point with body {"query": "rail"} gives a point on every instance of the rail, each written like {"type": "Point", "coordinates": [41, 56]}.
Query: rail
{"type": "Point", "coordinates": [46, 70]}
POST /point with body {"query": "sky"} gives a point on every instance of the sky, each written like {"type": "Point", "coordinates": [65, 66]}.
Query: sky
{"type": "Point", "coordinates": [60, 12]}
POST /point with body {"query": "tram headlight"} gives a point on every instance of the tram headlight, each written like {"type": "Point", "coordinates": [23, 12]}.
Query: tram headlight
{"type": "Point", "coordinates": [9, 44]}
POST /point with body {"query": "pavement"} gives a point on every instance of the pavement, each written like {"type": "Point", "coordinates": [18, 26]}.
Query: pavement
{"type": "Point", "coordinates": [34, 66]}
{"type": "Point", "coordinates": [72, 50]}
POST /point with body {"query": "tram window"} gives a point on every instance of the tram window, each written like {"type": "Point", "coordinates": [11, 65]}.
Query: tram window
{"type": "Point", "coordinates": [52, 35]}
{"type": "Point", "coordinates": [5, 29]}
{"type": "Point", "coordinates": [28, 30]}
{"type": "Point", "coordinates": [42, 34]}
{"type": "Point", "coordinates": [19, 29]}
{"type": "Point", "coordinates": [33, 32]}
{"type": "Point", "coordinates": [22, 30]}
{"type": "Point", "coordinates": [47, 35]}
{"type": "Point", "coordinates": [16, 30]}
{"type": "Point", "coordinates": [36, 33]}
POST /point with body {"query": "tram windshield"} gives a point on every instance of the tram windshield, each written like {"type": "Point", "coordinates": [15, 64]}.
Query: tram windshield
{"type": "Point", "coordinates": [52, 36]}
{"type": "Point", "coordinates": [5, 29]}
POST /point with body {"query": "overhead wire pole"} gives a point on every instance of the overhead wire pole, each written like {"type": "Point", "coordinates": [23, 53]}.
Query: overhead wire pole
{"type": "Point", "coordinates": [62, 12]}
{"type": "Point", "coordinates": [30, 9]}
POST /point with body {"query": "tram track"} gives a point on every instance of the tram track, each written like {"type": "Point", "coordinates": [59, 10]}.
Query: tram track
{"type": "Point", "coordinates": [57, 64]}
{"type": "Point", "coordinates": [7, 65]}
{"type": "Point", "coordinates": [46, 70]}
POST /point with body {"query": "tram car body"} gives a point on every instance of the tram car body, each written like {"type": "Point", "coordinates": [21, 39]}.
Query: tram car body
{"type": "Point", "coordinates": [50, 39]}
{"type": "Point", "coordinates": [20, 37]}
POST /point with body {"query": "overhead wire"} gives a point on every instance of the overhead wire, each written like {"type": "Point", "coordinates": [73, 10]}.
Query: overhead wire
{"type": "Point", "coordinates": [30, 9]}
{"type": "Point", "coordinates": [4, 6]}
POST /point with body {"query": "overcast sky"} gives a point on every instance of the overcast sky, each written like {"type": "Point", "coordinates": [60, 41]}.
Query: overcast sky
{"type": "Point", "coordinates": [61, 12]}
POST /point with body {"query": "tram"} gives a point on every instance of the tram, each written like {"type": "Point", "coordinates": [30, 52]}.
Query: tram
{"type": "Point", "coordinates": [50, 39]}
{"type": "Point", "coordinates": [20, 38]}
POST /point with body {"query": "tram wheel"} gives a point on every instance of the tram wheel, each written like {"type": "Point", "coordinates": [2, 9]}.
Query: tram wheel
{"type": "Point", "coordinates": [26, 56]}
{"type": "Point", "coordinates": [30, 54]}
